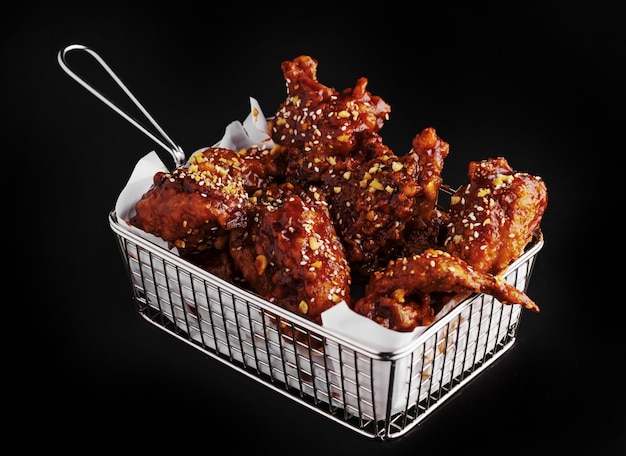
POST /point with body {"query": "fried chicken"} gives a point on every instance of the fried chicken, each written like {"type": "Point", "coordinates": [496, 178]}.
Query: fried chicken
{"type": "Point", "coordinates": [377, 204]}
{"type": "Point", "coordinates": [318, 125]}
{"type": "Point", "coordinates": [490, 222]}
{"type": "Point", "coordinates": [290, 253]}
{"type": "Point", "coordinates": [494, 216]}
{"type": "Point", "coordinates": [402, 295]}
{"type": "Point", "coordinates": [330, 200]}
{"type": "Point", "coordinates": [261, 167]}
{"type": "Point", "coordinates": [193, 206]}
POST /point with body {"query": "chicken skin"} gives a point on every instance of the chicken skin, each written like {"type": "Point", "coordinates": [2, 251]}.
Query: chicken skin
{"type": "Point", "coordinates": [318, 125]}
{"type": "Point", "coordinates": [402, 295]}
{"type": "Point", "coordinates": [193, 206]}
{"type": "Point", "coordinates": [377, 205]}
{"type": "Point", "coordinates": [290, 253]}
{"type": "Point", "coordinates": [493, 217]}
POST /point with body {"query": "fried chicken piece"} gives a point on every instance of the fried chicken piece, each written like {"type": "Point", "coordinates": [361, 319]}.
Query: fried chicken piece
{"type": "Point", "coordinates": [194, 205]}
{"type": "Point", "coordinates": [401, 296]}
{"type": "Point", "coordinates": [218, 262]}
{"type": "Point", "coordinates": [428, 229]}
{"type": "Point", "coordinates": [290, 253]}
{"type": "Point", "coordinates": [261, 167]}
{"type": "Point", "coordinates": [318, 125]}
{"type": "Point", "coordinates": [424, 233]}
{"type": "Point", "coordinates": [376, 204]}
{"type": "Point", "coordinates": [494, 216]}
{"type": "Point", "coordinates": [431, 151]}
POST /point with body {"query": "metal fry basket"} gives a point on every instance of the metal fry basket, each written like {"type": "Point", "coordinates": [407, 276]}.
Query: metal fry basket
{"type": "Point", "coordinates": [381, 395]}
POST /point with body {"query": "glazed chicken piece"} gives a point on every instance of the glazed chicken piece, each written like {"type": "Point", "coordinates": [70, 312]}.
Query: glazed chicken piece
{"type": "Point", "coordinates": [379, 204]}
{"type": "Point", "coordinates": [193, 206]}
{"type": "Point", "coordinates": [318, 125]}
{"type": "Point", "coordinates": [431, 151]}
{"type": "Point", "coordinates": [406, 293]}
{"type": "Point", "coordinates": [290, 254]}
{"type": "Point", "coordinates": [217, 261]}
{"type": "Point", "coordinates": [423, 233]}
{"type": "Point", "coordinates": [494, 216]}
{"type": "Point", "coordinates": [261, 167]}
{"type": "Point", "coordinates": [428, 229]}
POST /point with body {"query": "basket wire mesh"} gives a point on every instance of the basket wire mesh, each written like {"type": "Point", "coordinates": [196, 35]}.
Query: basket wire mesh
{"type": "Point", "coordinates": [379, 395]}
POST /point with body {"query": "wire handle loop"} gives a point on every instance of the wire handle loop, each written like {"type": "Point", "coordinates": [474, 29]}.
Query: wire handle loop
{"type": "Point", "coordinates": [165, 142]}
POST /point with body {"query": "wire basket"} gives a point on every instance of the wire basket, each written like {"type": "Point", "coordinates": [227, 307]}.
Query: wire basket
{"type": "Point", "coordinates": [379, 395]}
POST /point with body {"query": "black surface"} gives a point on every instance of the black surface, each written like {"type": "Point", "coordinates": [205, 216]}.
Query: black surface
{"type": "Point", "coordinates": [537, 85]}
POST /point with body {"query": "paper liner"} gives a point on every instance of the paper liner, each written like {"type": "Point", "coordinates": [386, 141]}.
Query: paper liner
{"type": "Point", "coordinates": [366, 383]}
{"type": "Point", "coordinates": [358, 381]}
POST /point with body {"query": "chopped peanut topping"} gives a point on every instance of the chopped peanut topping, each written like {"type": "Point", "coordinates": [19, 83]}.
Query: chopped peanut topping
{"type": "Point", "coordinates": [398, 295]}
{"type": "Point", "coordinates": [260, 263]}
{"type": "Point", "coordinates": [375, 185]}
{"type": "Point", "coordinates": [314, 243]}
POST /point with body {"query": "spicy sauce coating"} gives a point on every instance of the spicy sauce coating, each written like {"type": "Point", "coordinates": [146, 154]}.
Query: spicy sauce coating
{"type": "Point", "coordinates": [494, 216]}
{"type": "Point", "coordinates": [318, 125]}
{"type": "Point", "coordinates": [261, 167]}
{"type": "Point", "coordinates": [290, 253]}
{"type": "Point", "coordinates": [376, 204]}
{"type": "Point", "coordinates": [431, 152]}
{"type": "Point", "coordinates": [400, 296]}
{"type": "Point", "coordinates": [194, 205]}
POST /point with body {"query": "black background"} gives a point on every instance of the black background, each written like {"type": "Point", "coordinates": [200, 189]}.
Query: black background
{"type": "Point", "coordinates": [535, 83]}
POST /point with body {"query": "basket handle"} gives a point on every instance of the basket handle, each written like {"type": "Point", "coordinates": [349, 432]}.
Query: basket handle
{"type": "Point", "coordinates": [165, 141]}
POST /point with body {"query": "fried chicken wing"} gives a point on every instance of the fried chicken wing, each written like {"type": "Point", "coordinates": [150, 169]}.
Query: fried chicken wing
{"type": "Point", "coordinates": [424, 233]}
{"type": "Point", "coordinates": [193, 206]}
{"type": "Point", "coordinates": [290, 253]}
{"type": "Point", "coordinates": [494, 216]}
{"type": "Point", "coordinates": [261, 167]}
{"type": "Point", "coordinates": [318, 125]}
{"type": "Point", "coordinates": [431, 151]}
{"type": "Point", "coordinates": [401, 296]}
{"type": "Point", "coordinates": [376, 204]}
